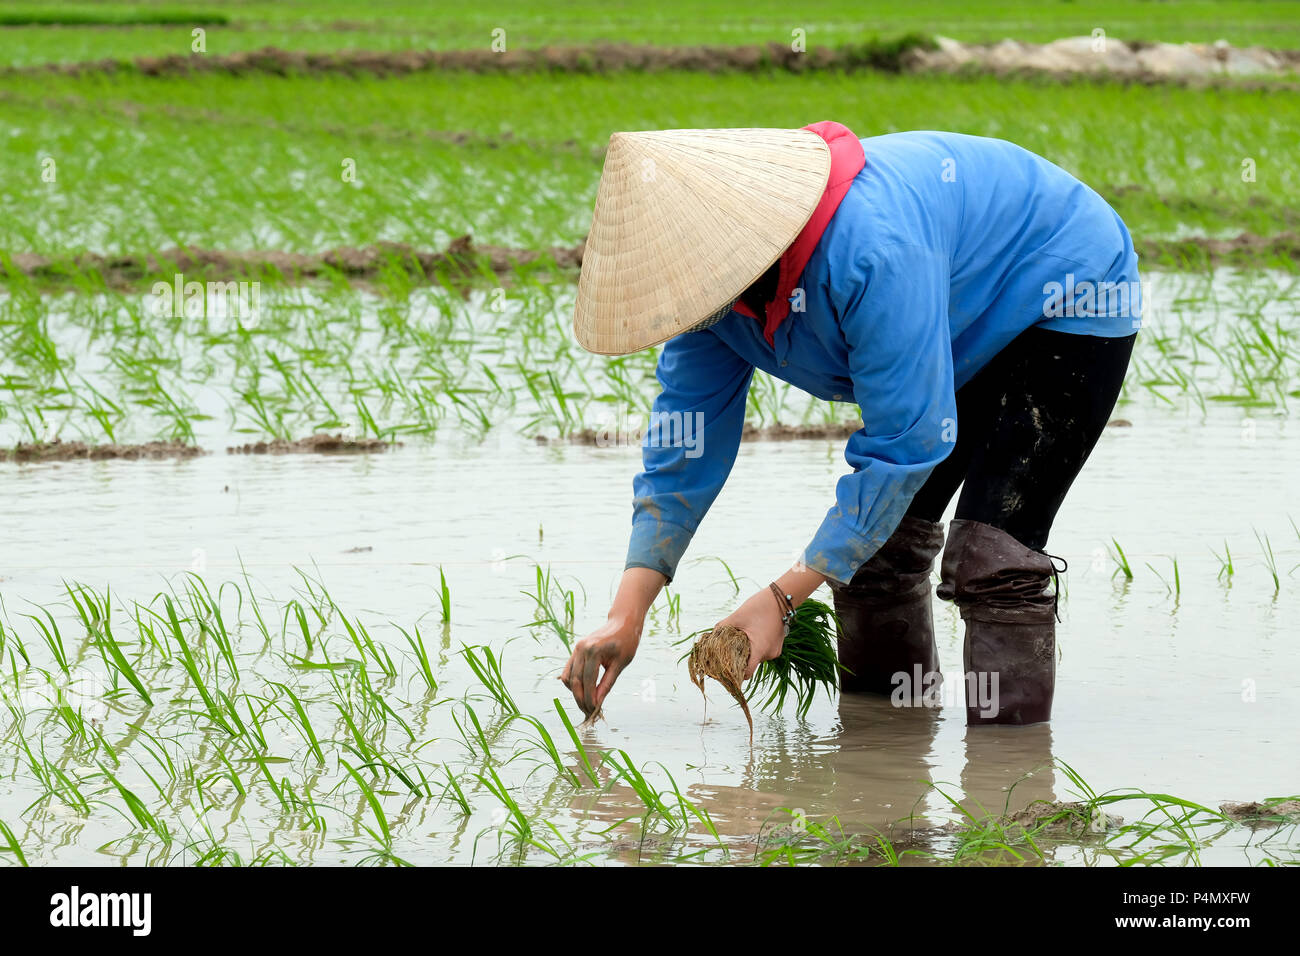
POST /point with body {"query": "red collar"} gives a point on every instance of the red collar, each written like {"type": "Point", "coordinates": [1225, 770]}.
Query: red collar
{"type": "Point", "coordinates": [847, 160]}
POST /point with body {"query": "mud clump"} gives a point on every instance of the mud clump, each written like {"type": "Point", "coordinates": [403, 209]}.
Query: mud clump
{"type": "Point", "coordinates": [723, 654]}
{"type": "Point", "coordinates": [58, 450]}
{"type": "Point", "coordinates": [315, 445]}
{"type": "Point", "coordinates": [1258, 814]}
{"type": "Point", "coordinates": [1064, 818]}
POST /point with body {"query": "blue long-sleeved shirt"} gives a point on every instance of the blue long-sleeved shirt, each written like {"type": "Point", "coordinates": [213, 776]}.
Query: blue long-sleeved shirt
{"type": "Point", "coordinates": [944, 249]}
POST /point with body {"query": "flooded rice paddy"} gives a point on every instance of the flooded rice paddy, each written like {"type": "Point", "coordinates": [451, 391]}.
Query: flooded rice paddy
{"type": "Point", "coordinates": [294, 659]}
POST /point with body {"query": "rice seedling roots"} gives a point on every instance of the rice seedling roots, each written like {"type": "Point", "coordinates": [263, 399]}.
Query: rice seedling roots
{"type": "Point", "coordinates": [723, 654]}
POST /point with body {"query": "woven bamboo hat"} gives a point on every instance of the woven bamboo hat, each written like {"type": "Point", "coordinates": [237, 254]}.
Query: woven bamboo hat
{"type": "Point", "coordinates": [685, 221]}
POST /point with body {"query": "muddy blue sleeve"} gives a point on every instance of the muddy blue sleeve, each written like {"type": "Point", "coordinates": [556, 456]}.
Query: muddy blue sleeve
{"type": "Point", "coordinates": [892, 306]}
{"type": "Point", "coordinates": [689, 446]}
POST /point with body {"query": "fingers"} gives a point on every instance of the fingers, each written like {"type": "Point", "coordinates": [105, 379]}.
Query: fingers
{"type": "Point", "coordinates": [569, 679]}
{"type": "Point", "coordinates": [590, 678]}
{"type": "Point", "coordinates": [607, 682]}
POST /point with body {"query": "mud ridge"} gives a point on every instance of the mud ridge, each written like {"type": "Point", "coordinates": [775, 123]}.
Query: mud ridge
{"type": "Point", "coordinates": [1246, 249]}
{"type": "Point", "coordinates": [315, 445]}
{"type": "Point", "coordinates": [592, 58]}
{"type": "Point", "coordinates": [1071, 57]}
{"type": "Point", "coordinates": [1105, 57]}
{"type": "Point", "coordinates": [58, 450]}
{"type": "Point", "coordinates": [462, 259]}
{"type": "Point", "coordinates": [611, 438]}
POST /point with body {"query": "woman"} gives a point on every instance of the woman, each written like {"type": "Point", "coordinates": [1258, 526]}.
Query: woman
{"type": "Point", "coordinates": [977, 303]}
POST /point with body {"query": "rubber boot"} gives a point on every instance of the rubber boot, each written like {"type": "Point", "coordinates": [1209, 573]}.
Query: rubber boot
{"type": "Point", "coordinates": [885, 623]}
{"type": "Point", "coordinates": [1001, 588]}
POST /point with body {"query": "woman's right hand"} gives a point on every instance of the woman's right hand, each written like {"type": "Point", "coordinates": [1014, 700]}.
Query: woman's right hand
{"type": "Point", "coordinates": [610, 648]}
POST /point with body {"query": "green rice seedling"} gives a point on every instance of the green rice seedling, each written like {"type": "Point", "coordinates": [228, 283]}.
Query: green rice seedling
{"type": "Point", "coordinates": [577, 742]}
{"type": "Point", "coordinates": [807, 661]}
{"type": "Point", "coordinates": [454, 789]}
{"type": "Point", "coordinates": [476, 736]}
{"type": "Point", "coordinates": [11, 844]}
{"type": "Point", "coordinates": [674, 606]}
{"type": "Point", "coordinates": [229, 773]}
{"type": "Point", "coordinates": [65, 789]}
{"type": "Point", "coordinates": [214, 712]}
{"type": "Point", "coordinates": [547, 745]}
{"type": "Point", "coordinates": [300, 615]}
{"type": "Point", "coordinates": [252, 730]}
{"type": "Point", "coordinates": [139, 813]}
{"type": "Point", "coordinates": [686, 806]}
{"type": "Point", "coordinates": [520, 826]}
{"type": "Point", "coordinates": [488, 671]}
{"type": "Point", "coordinates": [1121, 562]}
{"type": "Point", "coordinates": [73, 720]}
{"type": "Point", "coordinates": [157, 749]}
{"type": "Point", "coordinates": [546, 615]}
{"type": "Point", "coordinates": [1174, 588]}
{"type": "Point", "coordinates": [207, 608]}
{"type": "Point", "coordinates": [96, 615]}
{"type": "Point", "coordinates": [1174, 816]}
{"type": "Point", "coordinates": [731, 575]}
{"type": "Point", "coordinates": [411, 776]}
{"type": "Point", "coordinates": [421, 655]}
{"type": "Point", "coordinates": [11, 638]}
{"type": "Point", "coordinates": [289, 800]}
{"type": "Point", "coordinates": [991, 833]}
{"type": "Point", "coordinates": [297, 715]}
{"type": "Point", "coordinates": [52, 638]}
{"type": "Point", "coordinates": [1226, 570]}
{"type": "Point", "coordinates": [1270, 561]}
{"type": "Point", "coordinates": [253, 602]}
{"type": "Point", "coordinates": [810, 841]}
{"type": "Point", "coordinates": [366, 647]}
{"type": "Point", "coordinates": [384, 835]}
{"type": "Point", "coordinates": [653, 800]}
{"type": "Point", "coordinates": [444, 596]}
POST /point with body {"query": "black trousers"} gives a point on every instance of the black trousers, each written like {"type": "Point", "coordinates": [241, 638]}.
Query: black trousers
{"type": "Point", "coordinates": [1026, 423]}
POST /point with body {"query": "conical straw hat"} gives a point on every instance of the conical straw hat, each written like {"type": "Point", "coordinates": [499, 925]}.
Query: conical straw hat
{"type": "Point", "coordinates": [686, 220]}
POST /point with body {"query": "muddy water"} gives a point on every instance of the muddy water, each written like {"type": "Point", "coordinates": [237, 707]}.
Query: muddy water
{"type": "Point", "coordinates": [1192, 694]}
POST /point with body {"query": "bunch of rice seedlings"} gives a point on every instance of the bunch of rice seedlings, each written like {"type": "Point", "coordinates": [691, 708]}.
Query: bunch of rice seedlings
{"type": "Point", "coordinates": [807, 661]}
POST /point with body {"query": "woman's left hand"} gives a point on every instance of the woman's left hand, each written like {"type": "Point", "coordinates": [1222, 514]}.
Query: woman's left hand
{"type": "Point", "coordinates": [760, 618]}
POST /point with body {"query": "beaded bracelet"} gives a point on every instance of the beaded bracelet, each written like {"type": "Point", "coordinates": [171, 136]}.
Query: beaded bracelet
{"type": "Point", "coordinates": [786, 603]}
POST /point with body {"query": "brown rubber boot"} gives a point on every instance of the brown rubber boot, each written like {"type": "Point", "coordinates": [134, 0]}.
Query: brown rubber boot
{"type": "Point", "coordinates": [885, 625]}
{"type": "Point", "coordinates": [1001, 588]}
